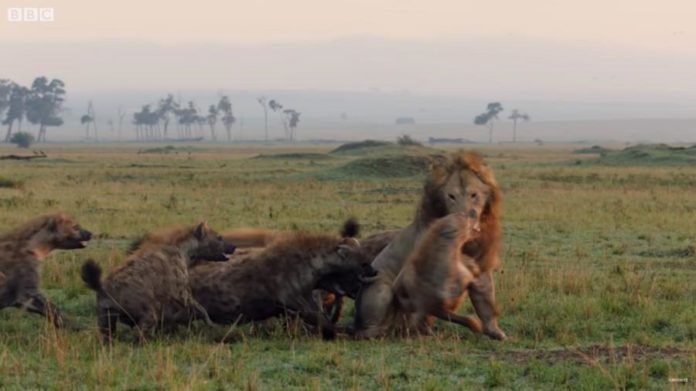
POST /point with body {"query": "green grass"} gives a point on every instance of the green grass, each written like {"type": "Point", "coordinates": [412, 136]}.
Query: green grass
{"type": "Point", "coordinates": [596, 289]}
{"type": "Point", "coordinates": [649, 155]}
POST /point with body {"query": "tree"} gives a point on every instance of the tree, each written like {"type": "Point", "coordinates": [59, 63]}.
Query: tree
{"type": "Point", "coordinates": [228, 119]}
{"type": "Point", "coordinates": [121, 113]}
{"type": "Point", "coordinates": [212, 119]}
{"type": "Point", "coordinates": [44, 104]}
{"type": "Point", "coordinates": [166, 107]}
{"type": "Point", "coordinates": [262, 101]}
{"type": "Point", "coordinates": [492, 110]}
{"type": "Point", "coordinates": [144, 121]}
{"type": "Point", "coordinates": [5, 92]}
{"type": "Point", "coordinates": [516, 115]}
{"type": "Point", "coordinates": [88, 120]}
{"type": "Point", "coordinates": [16, 108]}
{"type": "Point", "coordinates": [22, 139]}
{"type": "Point", "coordinates": [290, 122]}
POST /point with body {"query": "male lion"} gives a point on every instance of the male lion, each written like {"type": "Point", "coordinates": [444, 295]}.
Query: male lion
{"type": "Point", "coordinates": [151, 289]}
{"type": "Point", "coordinates": [21, 253]}
{"type": "Point", "coordinates": [463, 183]}
{"type": "Point", "coordinates": [435, 277]}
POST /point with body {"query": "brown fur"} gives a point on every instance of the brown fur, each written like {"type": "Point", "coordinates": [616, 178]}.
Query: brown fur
{"type": "Point", "coordinates": [277, 280]}
{"type": "Point", "coordinates": [460, 184]}
{"type": "Point", "coordinates": [21, 253]}
{"type": "Point", "coordinates": [435, 278]}
{"type": "Point", "coordinates": [333, 288]}
{"type": "Point", "coordinates": [151, 289]}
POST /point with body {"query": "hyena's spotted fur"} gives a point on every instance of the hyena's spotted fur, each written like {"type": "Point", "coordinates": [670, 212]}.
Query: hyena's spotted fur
{"type": "Point", "coordinates": [21, 253]}
{"type": "Point", "coordinates": [151, 290]}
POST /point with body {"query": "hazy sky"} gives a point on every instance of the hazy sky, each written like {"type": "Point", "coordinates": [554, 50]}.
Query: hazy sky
{"type": "Point", "coordinates": [499, 49]}
{"type": "Point", "coordinates": [666, 25]}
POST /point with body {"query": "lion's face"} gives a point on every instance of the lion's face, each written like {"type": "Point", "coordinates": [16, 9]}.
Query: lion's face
{"type": "Point", "coordinates": [211, 245]}
{"type": "Point", "coordinates": [464, 193]}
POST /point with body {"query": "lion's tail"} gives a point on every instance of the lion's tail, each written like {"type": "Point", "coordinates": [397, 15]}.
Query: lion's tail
{"type": "Point", "coordinates": [251, 237]}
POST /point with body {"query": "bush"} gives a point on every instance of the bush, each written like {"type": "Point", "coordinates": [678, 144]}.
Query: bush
{"type": "Point", "coordinates": [407, 140]}
{"type": "Point", "coordinates": [22, 139]}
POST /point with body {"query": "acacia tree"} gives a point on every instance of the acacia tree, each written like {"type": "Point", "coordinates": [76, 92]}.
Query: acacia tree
{"type": "Point", "coordinates": [212, 119]}
{"type": "Point", "coordinates": [16, 107]}
{"type": "Point", "coordinates": [89, 120]}
{"type": "Point", "coordinates": [166, 107]}
{"type": "Point", "coordinates": [228, 119]}
{"type": "Point", "coordinates": [44, 104]}
{"type": "Point", "coordinates": [5, 91]}
{"type": "Point", "coordinates": [487, 118]}
{"type": "Point", "coordinates": [515, 116]}
{"type": "Point", "coordinates": [290, 121]}
{"type": "Point", "coordinates": [145, 120]}
{"type": "Point", "coordinates": [262, 101]}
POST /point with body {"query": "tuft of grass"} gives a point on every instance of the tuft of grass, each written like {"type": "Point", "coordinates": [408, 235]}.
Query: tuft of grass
{"type": "Point", "coordinates": [9, 183]}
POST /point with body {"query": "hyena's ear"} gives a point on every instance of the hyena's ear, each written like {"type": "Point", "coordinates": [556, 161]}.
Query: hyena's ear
{"type": "Point", "coordinates": [52, 224]}
{"type": "Point", "coordinates": [200, 230]}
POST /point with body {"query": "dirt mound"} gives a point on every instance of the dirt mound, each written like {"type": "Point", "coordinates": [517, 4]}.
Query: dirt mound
{"type": "Point", "coordinates": [294, 156]}
{"type": "Point", "coordinates": [650, 154]}
{"type": "Point", "coordinates": [361, 147]}
{"type": "Point", "coordinates": [395, 166]}
{"type": "Point", "coordinates": [592, 150]}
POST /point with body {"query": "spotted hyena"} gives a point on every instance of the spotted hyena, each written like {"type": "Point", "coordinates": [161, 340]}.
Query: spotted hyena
{"type": "Point", "coordinates": [21, 253]}
{"type": "Point", "coordinates": [151, 290]}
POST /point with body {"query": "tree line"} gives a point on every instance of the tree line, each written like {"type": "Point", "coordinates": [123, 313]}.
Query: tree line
{"type": "Point", "coordinates": [41, 104]}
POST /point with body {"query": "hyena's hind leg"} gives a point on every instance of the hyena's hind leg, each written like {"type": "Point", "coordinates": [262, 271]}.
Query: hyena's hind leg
{"type": "Point", "coordinates": [107, 319]}
{"type": "Point", "coordinates": [36, 303]}
{"type": "Point", "coordinates": [146, 325]}
{"type": "Point", "coordinates": [199, 312]}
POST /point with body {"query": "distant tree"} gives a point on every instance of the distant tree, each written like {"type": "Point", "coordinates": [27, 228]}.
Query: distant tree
{"type": "Point", "coordinates": [89, 120]}
{"type": "Point", "coordinates": [487, 118]}
{"type": "Point", "coordinates": [290, 122]}
{"type": "Point", "coordinates": [212, 119]}
{"type": "Point", "coordinates": [145, 120]}
{"type": "Point", "coordinates": [16, 108]}
{"type": "Point", "coordinates": [22, 139]}
{"type": "Point", "coordinates": [263, 102]}
{"type": "Point", "coordinates": [224, 106]}
{"type": "Point", "coordinates": [515, 116]}
{"type": "Point", "coordinates": [44, 104]}
{"type": "Point", "coordinates": [121, 113]}
{"type": "Point", "coordinates": [166, 107]}
{"type": "Point", "coordinates": [5, 92]}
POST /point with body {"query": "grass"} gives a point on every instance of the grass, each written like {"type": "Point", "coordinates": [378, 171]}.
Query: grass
{"type": "Point", "coordinates": [596, 289]}
{"type": "Point", "coordinates": [649, 155]}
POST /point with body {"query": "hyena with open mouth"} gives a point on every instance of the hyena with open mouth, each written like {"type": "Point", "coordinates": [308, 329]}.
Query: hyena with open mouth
{"type": "Point", "coordinates": [21, 253]}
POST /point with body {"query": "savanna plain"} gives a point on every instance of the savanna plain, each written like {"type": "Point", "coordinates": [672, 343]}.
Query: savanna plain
{"type": "Point", "coordinates": [597, 287]}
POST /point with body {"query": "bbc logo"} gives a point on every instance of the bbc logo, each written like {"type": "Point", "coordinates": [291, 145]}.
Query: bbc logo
{"type": "Point", "coordinates": [27, 14]}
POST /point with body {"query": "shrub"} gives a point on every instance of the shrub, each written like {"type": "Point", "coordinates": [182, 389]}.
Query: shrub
{"type": "Point", "coordinates": [22, 139]}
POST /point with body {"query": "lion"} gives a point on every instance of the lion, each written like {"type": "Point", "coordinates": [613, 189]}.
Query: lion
{"type": "Point", "coordinates": [21, 253]}
{"type": "Point", "coordinates": [435, 277]}
{"type": "Point", "coordinates": [279, 279]}
{"type": "Point", "coordinates": [151, 290]}
{"type": "Point", "coordinates": [462, 183]}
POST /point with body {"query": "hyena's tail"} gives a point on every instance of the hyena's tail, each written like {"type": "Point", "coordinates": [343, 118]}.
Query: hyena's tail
{"type": "Point", "coordinates": [251, 237]}
{"type": "Point", "coordinates": [91, 275]}
{"type": "Point", "coordinates": [351, 228]}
